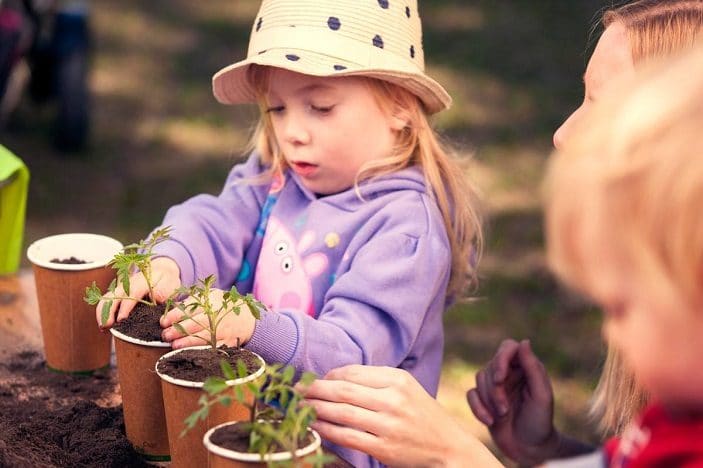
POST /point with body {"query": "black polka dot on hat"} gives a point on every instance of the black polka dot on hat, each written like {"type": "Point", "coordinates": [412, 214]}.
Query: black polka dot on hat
{"type": "Point", "coordinates": [383, 3]}
{"type": "Point", "coordinates": [258, 24]}
{"type": "Point", "coordinates": [377, 41]}
{"type": "Point", "coordinates": [334, 23]}
{"type": "Point", "coordinates": [407, 11]}
{"type": "Point", "coordinates": [292, 57]}
{"type": "Point", "coordinates": [340, 67]}
{"type": "Point", "coordinates": [412, 51]}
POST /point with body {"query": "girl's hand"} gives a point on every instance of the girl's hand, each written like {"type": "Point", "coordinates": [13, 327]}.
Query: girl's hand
{"type": "Point", "coordinates": [233, 330]}
{"type": "Point", "coordinates": [513, 397]}
{"type": "Point", "coordinates": [386, 413]}
{"type": "Point", "coordinates": [166, 278]}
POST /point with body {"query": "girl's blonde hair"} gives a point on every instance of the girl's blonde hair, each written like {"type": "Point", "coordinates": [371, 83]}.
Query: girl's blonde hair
{"type": "Point", "coordinates": [416, 145]}
{"type": "Point", "coordinates": [635, 160]}
{"type": "Point", "coordinates": [655, 28]}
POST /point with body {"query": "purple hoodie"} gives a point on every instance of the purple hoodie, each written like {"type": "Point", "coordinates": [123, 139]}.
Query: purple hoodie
{"type": "Point", "coordinates": [346, 280]}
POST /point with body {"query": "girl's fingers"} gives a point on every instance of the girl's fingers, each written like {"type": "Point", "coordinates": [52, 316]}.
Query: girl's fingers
{"type": "Point", "coordinates": [197, 339]}
{"type": "Point", "coordinates": [483, 390]}
{"type": "Point", "coordinates": [477, 407]}
{"type": "Point", "coordinates": [349, 415]}
{"type": "Point", "coordinates": [536, 375]}
{"type": "Point", "coordinates": [189, 326]}
{"type": "Point", "coordinates": [500, 364]}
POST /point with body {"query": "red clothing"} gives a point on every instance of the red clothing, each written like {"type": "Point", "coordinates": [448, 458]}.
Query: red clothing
{"type": "Point", "coordinates": [656, 440]}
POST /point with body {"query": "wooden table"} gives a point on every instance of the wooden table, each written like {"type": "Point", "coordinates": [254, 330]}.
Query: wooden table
{"type": "Point", "coordinates": [19, 312]}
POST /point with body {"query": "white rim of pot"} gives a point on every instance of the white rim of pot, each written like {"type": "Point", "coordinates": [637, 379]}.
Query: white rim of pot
{"type": "Point", "coordinates": [191, 384]}
{"type": "Point", "coordinates": [129, 339]}
{"type": "Point", "coordinates": [95, 249]}
{"type": "Point", "coordinates": [255, 457]}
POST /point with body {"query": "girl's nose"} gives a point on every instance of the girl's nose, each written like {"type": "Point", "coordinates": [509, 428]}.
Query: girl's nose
{"type": "Point", "coordinates": [295, 132]}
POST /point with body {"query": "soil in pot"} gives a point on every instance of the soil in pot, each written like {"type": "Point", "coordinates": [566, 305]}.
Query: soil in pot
{"type": "Point", "coordinates": [68, 261]}
{"type": "Point", "coordinates": [196, 365]}
{"type": "Point", "coordinates": [50, 420]}
{"type": "Point", "coordinates": [143, 322]}
{"type": "Point", "coordinates": [236, 437]}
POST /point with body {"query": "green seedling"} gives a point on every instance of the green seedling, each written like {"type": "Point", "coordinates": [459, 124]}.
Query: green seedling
{"type": "Point", "coordinates": [200, 309]}
{"type": "Point", "coordinates": [277, 418]}
{"type": "Point", "coordinates": [133, 258]}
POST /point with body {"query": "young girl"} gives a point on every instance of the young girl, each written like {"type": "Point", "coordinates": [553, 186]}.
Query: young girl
{"type": "Point", "coordinates": [349, 220]}
{"type": "Point", "coordinates": [633, 242]}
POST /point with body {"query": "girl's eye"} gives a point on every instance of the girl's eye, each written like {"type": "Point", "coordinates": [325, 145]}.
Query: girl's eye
{"type": "Point", "coordinates": [322, 109]}
{"type": "Point", "coordinates": [275, 109]}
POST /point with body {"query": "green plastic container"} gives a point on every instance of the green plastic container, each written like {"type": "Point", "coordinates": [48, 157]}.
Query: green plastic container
{"type": "Point", "coordinates": [14, 182]}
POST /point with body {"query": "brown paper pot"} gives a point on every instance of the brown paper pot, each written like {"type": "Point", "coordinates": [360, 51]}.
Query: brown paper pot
{"type": "Point", "coordinates": [72, 340]}
{"type": "Point", "coordinates": [180, 400]}
{"type": "Point", "coordinates": [142, 400]}
{"type": "Point", "coordinates": [220, 457]}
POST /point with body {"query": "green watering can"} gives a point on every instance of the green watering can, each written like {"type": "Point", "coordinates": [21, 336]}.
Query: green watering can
{"type": "Point", "coordinates": [14, 182]}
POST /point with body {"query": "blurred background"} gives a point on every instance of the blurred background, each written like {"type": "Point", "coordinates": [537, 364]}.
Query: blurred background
{"type": "Point", "coordinates": [156, 136]}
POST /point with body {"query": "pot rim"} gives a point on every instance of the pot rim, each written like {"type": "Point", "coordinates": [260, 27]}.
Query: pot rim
{"type": "Point", "coordinates": [255, 457]}
{"type": "Point", "coordinates": [152, 344]}
{"type": "Point", "coordinates": [41, 250]}
{"type": "Point", "coordinates": [191, 384]}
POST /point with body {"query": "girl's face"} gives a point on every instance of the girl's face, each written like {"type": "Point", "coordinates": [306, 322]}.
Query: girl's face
{"type": "Point", "coordinates": [611, 59]}
{"type": "Point", "coordinates": [656, 329]}
{"type": "Point", "coordinates": [327, 128]}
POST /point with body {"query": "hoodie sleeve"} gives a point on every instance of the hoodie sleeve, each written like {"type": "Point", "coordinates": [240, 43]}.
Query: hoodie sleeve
{"type": "Point", "coordinates": [390, 301]}
{"type": "Point", "coordinates": [210, 234]}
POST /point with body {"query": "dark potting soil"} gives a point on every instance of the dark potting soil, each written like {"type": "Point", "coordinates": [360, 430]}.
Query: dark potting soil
{"type": "Point", "coordinates": [236, 437]}
{"type": "Point", "coordinates": [48, 419]}
{"type": "Point", "coordinates": [143, 322]}
{"type": "Point", "coordinates": [68, 261]}
{"type": "Point", "coordinates": [196, 365]}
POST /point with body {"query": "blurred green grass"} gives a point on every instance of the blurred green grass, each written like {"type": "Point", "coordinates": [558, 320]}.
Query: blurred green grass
{"type": "Point", "coordinates": [514, 68]}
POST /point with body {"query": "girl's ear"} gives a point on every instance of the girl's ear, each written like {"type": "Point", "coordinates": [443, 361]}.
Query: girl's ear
{"type": "Point", "coordinates": [399, 119]}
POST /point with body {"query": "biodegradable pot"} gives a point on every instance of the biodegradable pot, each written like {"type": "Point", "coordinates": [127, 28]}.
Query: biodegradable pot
{"type": "Point", "coordinates": [181, 399]}
{"type": "Point", "coordinates": [220, 457]}
{"type": "Point", "coordinates": [142, 400]}
{"type": "Point", "coordinates": [72, 340]}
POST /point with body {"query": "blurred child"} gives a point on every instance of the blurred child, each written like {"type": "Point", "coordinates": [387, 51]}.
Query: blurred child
{"type": "Point", "coordinates": [349, 220]}
{"type": "Point", "coordinates": [523, 428]}
{"type": "Point", "coordinates": [630, 237]}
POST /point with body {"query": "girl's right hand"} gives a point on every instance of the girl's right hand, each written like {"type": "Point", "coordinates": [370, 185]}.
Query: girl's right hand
{"type": "Point", "coordinates": [514, 398]}
{"type": "Point", "coordinates": [166, 278]}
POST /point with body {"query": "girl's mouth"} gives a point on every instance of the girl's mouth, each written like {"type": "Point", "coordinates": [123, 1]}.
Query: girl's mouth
{"type": "Point", "coordinates": [303, 169]}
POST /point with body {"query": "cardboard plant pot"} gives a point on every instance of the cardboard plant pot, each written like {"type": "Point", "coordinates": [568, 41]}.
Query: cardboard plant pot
{"type": "Point", "coordinates": [221, 457]}
{"type": "Point", "coordinates": [142, 400]}
{"type": "Point", "coordinates": [72, 340]}
{"type": "Point", "coordinates": [181, 398]}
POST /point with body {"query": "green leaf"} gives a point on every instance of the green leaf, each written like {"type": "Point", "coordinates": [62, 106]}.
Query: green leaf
{"type": "Point", "coordinates": [227, 370]}
{"type": "Point", "coordinates": [92, 294]}
{"type": "Point", "coordinates": [242, 370]}
{"type": "Point", "coordinates": [307, 378]}
{"type": "Point", "coordinates": [288, 374]}
{"type": "Point", "coordinates": [215, 385]}
{"type": "Point", "coordinates": [105, 312]}
{"type": "Point", "coordinates": [179, 327]}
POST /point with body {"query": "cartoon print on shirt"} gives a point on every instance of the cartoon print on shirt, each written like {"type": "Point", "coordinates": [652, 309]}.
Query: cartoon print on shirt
{"type": "Point", "coordinates": [284, 273]}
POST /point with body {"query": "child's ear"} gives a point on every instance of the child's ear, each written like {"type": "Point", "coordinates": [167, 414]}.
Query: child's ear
{"type": "Point", "coordinates": [399, 119]}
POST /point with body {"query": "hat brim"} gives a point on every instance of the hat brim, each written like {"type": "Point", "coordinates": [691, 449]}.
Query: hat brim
{"type": "Point", "coordinates": [230, 85]}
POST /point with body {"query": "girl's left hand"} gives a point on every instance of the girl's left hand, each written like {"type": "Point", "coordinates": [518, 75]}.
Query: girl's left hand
{"type": "Point", "coordinates": [233, 330]}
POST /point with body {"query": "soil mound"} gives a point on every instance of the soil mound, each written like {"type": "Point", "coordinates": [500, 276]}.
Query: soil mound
{"type": "Point", "coordinates": [58, 420]}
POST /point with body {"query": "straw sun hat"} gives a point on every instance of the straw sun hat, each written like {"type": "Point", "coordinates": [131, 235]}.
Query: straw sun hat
{"type": "Point", "coordinates": [376, 38]}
